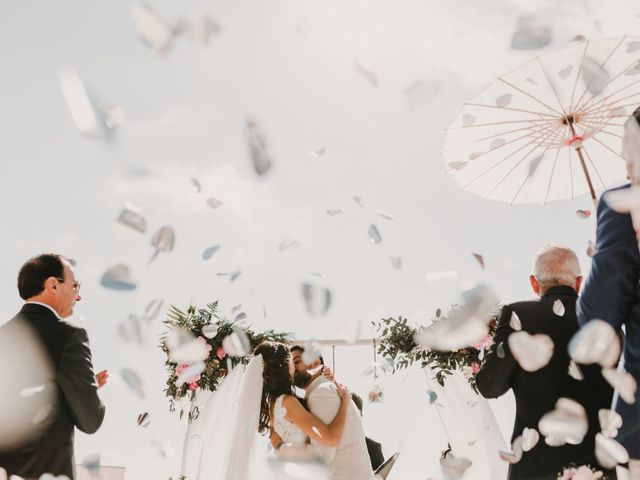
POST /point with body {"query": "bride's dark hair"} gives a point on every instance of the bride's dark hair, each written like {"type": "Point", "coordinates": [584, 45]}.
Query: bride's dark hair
{"type": "Point", "coordinates": [276, 378]}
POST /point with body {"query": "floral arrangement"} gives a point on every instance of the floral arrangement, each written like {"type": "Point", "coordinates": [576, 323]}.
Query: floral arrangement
{"type": "Point", "coordinates": [207, 327]}
{"type": "Point", "coordinates": [583, 472]}
{"type": "Point", "coordinates": [397, 341]}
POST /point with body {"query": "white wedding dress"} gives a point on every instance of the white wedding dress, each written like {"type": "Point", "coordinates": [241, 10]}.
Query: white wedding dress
{"type": "Point", "coordinates": [289, 432]}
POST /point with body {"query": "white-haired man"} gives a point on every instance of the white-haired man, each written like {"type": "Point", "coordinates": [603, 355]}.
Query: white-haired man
{"type": "Point", "coordinates": [556, 280]}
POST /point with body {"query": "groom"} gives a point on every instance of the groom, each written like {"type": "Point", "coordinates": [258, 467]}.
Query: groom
{"type": "Point", "coordinates": [349, 460]}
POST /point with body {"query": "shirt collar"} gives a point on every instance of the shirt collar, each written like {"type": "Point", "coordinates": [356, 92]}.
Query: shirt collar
{"type": "Point", "coordinates": [46, 306]}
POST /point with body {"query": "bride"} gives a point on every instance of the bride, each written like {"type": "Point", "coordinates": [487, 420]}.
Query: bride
{"type": "Point", "coordinates": [282, 413]}
{"type": "Point", "coordinates": [219, 443]}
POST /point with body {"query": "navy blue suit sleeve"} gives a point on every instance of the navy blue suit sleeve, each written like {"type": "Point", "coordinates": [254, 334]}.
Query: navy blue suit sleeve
{"type": "Point", "coordinates": [610, 291]}
{"type": "Point", "coordinates": [495, 377]}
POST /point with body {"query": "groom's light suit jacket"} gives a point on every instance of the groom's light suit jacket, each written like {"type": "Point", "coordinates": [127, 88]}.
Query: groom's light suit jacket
{"type": "Point", "coordinates": [537, 392]}
{"type": "Point", "coordinates": [350, 460]}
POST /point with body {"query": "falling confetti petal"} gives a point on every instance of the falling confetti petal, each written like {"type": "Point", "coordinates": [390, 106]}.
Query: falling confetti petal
{"type": "Point", "coordinates": [208, 253]}
{"type": "Point", "coordinates": [515, 455]}
{"type": "Point", "coordinates": [84, 114]}
{"type": "Point", "coordinates": [152, 29]}
{"type": "Point", "coordinates": [623, 382]}
{"type": "Point", "coordinates": [595, 342]}
{"type": "Point", "coordinates": [396, 262]}
{"type": "Point", "coordinates": [500, 350]}
{"type": "Point", "coordinates": [609, 452]}
{"type": "Point", "coordinates": [31, 391]}
{"type": "Point", "coordinates": [240, 317]}
{"type": "Point", "coordinates": [118, 277]}
{"type": "Point", "coordinates": [334, 211]}
{"type": "Point", "coordinates": [144, 420]}
{"type": "Point", "coordinates": [531, 351]}
{"type": "Point", "coordinates": [454, 468]}
{"type": "Point", "coordinates": [163, 241]}
{"type": "Point", "coordinates": [312, 351]}
{"type": "Point", "coordinates": [131, 216]}
{"type": "Point", "coordinates": [530, 438]}
{"type": "Point", "coordinates": [574, 371]}
{"type": "Point", "coordinates": [374, 235]}
{"type": "Point", "coordinates": [515, 322]}
{"type": "Point", "coordinates": [190, 374]}
{"type": "Point", "coordinates": [210, 331]}
{"type": "Point", "coordinates": [237, 344]}
{"type": "Point", "coordinates": [558, 308]}
{"type": "Point", "coordinates": [465, 325]}
{"type": "Point", "coordinates": [435, 276]}
{"type": "Point", "coordinates": [289, 243]}
{"type": "Point", "coordinates": [198, 28]}
{"type": "Point", "coordinates": [133, 381]}
{"type": "Point", "coordinates": [318, 153]}
{"type": "Point", "coordinates": [591, 249]}
{"type": "Point", "coordinates": [385, 215]}
{"type": "Point", "coordinates": [214, 203]}
{"type": "Point", "coordinates": [236, 308]}
{"type": "Point", "coordinates": [595, 77]}
{"type": "Point", "coordinates": [184, 347]}
{"type": "Point", "coordinates": [530, 35]}
{"type": "Point", "coordinates": [233, 275]}
{"type": "Point", "coordinates": [196, 183]}
{"type": "Point", "coordinates": [479, 258]}
{"type": "Point", "coordinates": [92, 463]}
{"type": "Point", "coordinates": [366, 72]}
{"type": "Point", "coordinates": [258, 148]}
{"type": "Point", "coordinates": [358, 201]}
{"type": "Point", "coordinates": [610, 422]}
{"type": "Point", "coordinates": [421, 92]}
{"type": "Point", "coordinates": [567, 423]}
{"type": "Point", "coordinates": [315, 273]}
{"type": "Point", "coordinates": [433, 396]}
{"type": "Point", "coordinates": [317, 299]}
{"type": "Point", "coordinates": [152, 310]}
{"type": "Point", "coordinates": [583, 214]}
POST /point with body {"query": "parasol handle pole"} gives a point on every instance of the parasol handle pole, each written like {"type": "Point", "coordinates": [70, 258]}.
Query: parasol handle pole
{"type": "Point", "coordinates": [584, 165]}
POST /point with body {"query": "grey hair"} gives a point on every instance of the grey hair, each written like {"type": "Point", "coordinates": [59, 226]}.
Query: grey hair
{"type": "Point", "coordinates": [556, 265]}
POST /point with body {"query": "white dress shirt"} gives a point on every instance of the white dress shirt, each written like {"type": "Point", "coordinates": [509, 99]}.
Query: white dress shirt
{"type": "Point", "coordinates": [350, 459]}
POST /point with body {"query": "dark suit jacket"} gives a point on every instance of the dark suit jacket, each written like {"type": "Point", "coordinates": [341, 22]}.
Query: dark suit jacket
{"type": "Point", "coordinates": [612, 293]}
{"type": "Point", "coordinates": [76, 402]}
{"type": "Point", "coordinates": [375, 453]}
{"type": "Point", "coordinates": [536, 392]}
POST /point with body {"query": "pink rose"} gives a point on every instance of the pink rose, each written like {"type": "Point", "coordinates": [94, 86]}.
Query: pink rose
{"type": "Point", "coordinates": [475, 367]}
{"type": "Point", "coordinates": [193, 381]}
{"type": "Point", "coordinates": [220, 353]}
{"type": "Point", "coordinates": [484, 342]}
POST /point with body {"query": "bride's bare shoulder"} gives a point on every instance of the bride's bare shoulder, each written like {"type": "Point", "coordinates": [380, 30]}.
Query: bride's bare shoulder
{"type": "Point", "coordinates": [289, 400]}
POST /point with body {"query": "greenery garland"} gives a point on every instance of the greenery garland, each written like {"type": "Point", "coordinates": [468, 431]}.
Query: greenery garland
{"type": "Point", "coordinates": [397, 341]}
{"type": "Point", "coordinates": [219, 363]}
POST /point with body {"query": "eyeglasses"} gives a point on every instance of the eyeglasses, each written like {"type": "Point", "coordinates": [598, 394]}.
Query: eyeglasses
{"type": "Point", "coordinates": [76, 286]}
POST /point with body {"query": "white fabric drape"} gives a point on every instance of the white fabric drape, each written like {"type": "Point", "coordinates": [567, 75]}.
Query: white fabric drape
{"type": "Point", "coordinates": [470, 425]}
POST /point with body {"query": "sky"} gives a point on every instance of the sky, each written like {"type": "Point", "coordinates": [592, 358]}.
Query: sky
{"type": "Point", "coordinates": [290, 66]}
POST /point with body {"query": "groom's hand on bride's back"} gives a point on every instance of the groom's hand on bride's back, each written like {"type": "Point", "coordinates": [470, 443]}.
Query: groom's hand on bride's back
{"type": "Point", "coordinates": [328, 374]}
{"type": "Point", "coordinates": [343, 391]}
